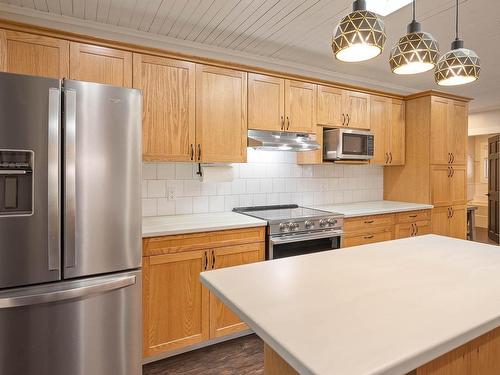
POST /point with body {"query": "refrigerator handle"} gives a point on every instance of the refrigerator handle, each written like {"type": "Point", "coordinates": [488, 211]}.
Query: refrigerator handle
{"type": "Point", "coordinates": [54, 169]}
{"type": "Point", "coordinates": [66, 294]}
{"type": "Point", "coordinates": [70, 178]}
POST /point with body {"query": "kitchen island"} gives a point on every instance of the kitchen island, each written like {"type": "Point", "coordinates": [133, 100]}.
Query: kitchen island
{"type": "Point", "coordinates": [423, 305]}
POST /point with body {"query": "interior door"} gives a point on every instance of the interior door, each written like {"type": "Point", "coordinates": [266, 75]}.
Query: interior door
{"type": "Point", "coordinates": [29, 133]}
{"type": "Point", "coordinates": [102, 211]}
{"type": "Point", "coordinates": [493, 187]}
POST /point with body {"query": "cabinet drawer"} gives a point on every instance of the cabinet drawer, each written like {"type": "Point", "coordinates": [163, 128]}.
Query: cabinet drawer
{"type": "Point", "coordinates": [413, 216]}
{"type": "Point", "coordinates": [413, 229]}
{"type": "Point", "coordinates": [366, 238]}
{"type": "Point", "coordinates": [364, 224]}
{"type": "Point", "coordinates": [201, 241]}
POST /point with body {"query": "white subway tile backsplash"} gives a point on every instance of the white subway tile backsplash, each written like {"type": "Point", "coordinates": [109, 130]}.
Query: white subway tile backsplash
{"type": "Point", "coordinates": [267, 178]}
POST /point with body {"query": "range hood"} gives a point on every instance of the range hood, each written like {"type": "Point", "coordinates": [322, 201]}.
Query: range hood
{"type": "Point", "coordinates": [282, 141]}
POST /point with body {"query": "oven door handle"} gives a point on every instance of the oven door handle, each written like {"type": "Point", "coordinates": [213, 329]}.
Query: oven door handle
{"type": "Point", "coordinates": [282, 240]}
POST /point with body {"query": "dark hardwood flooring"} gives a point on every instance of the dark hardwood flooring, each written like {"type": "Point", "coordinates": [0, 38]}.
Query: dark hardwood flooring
{"type": "Point", "coordinates": [244, 355]}
{"type": "Point", "coordinates": [482, 236]}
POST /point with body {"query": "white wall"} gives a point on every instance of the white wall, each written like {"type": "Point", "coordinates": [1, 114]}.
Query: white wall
{"type": "Point", "coordinates": [267, 178]}
{"type": "Point", "coordinates": [484, 122]}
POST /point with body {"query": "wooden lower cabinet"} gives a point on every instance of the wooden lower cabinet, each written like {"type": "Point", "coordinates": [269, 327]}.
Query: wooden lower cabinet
{"type": "Point", "coordinates": [175, 305]}
{"type": "Point", "coordinates": [222, 320]}
{"type": "Point", "coordinates": [450, 221]}
{"type": "Point", "coordinates": [418, 228]}
{"type": "Point", "coordinates": [379, 235]}
{"type": "Point", "coordinates": [178, 311]}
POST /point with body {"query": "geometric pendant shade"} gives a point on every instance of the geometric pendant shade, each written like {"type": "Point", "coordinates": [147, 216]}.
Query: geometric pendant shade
{"type": "Point", "coordinates": [416, 52]}
{"type": "Point", "coordinates": [458, 66]}
{"type": "Point", "coordinates": [359, 36]}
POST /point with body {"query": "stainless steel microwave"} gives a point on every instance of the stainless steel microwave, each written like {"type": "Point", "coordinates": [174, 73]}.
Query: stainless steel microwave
{"type": "Point", "coordinates": [347, 144]}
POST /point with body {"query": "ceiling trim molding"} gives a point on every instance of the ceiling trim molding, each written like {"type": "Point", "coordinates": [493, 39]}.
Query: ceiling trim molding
{"type": "Point", "coordinates": [125, 35]}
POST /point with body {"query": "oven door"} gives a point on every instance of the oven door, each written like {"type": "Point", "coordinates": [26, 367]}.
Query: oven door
{"type": "Point", "coordinates": [356, 145]}
{"type": "Point", "coordinates": [284, 246]}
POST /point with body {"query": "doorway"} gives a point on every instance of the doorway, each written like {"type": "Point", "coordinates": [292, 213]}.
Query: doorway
{"type": "Point", "coordinates": [493, 188]}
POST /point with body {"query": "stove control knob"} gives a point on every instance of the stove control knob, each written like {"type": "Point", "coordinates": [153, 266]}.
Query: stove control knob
{"type": "Point", "coordinates": [284, 227]}
{"type": "Point", "coordinates": [322, 222]}
{"type": "Point", "coordinates": [293, 226]}
{"type": "Point", "coordinates": [331, 221]}
{"type": "Point", "coordinates": [309, 224]}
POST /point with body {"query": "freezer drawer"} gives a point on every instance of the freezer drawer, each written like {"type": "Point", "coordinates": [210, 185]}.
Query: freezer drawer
{"type": "Point", "coordinates": [89, 326]}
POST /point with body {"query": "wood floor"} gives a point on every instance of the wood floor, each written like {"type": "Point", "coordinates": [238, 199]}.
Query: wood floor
{"type": "Point", "coordinates": [242, 356]}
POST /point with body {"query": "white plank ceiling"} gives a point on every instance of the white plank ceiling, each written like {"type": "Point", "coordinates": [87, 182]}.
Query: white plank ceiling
{"type": "Point", "coordinates": [296, 32]}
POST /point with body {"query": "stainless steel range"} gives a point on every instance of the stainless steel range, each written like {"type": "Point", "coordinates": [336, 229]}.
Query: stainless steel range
{"type": "Point", "coordinates": [294, 230]}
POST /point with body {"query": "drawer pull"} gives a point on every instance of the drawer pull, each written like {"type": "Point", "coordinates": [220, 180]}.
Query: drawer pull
{"type": "Point", "coordinates": [368, 221]}
{"type": "Point", "coordinates": [206, 261]}
{"type": "Point", "coordinates": [368, 237]}
{"type": "Point", "coordinates": [413, 216]}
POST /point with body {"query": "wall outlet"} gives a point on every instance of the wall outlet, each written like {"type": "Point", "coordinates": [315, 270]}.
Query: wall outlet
{"type": "Point", "coordinates": [171, 194]}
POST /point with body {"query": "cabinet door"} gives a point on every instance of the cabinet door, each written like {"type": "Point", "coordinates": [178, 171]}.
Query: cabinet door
{"type": "Point", "coordinates": [357, 109]}
{"type": "Point", "coordinates": [440, 153]}
{"type": "Point", "coordinates": [396, 132]}
{"type": "Point", "coordinates": [330, 111]}
{"type": "Point", "coordinates": [380, 117]}
{"type": "Point", "coordinates": [100, 64]}
{"type": "Point", "coordinates": [405, 230]}
{"type": "Point", "coordinates": [168, 95]}
{"type": "Point", "coordinates": [313, 157]}
{"type": "Point", "coordinates": [457, 131]}
{"type": "Point", "coordinates": [458, 185]}
{"type": "Point", "coordinates": [441, 220]}
{"type": "Point", "coordinates": [221, 114]}
{"type": "Point", "coordinates": [458, 222]}
{"type": "Point", "coordinates": [300, 106]}
{"type": "Point", "coordinates": [440, 185]}
{"type": "Point", "coordinates": [35, 55]}
{"type": "Point", "coordinates": [266, 102]}
{"type": "Point", "coordinates": [423, 227]}
{"type": "Point", "coordinates": [222, 320]}
{"type": "Point", "coordinates": [175, 304]}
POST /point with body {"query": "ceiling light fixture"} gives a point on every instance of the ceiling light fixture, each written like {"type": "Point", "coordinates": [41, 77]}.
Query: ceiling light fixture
{"type": "Point", "coordinates": [458, 66]}
{"type": "Point", "coordinates": [416, 52]}
{"type": "Point", "coordinates": [360, 35]}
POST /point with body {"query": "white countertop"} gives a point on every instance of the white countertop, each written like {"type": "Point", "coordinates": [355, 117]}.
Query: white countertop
{"type": "Point", "coordinates": [384, 308]}
{"type": "Point", "coordinates": [373, 208]}
{"type": "Point", "coordinates": [181, 224]}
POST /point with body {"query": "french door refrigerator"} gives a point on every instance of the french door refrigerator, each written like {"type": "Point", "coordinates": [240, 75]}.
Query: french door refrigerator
{"type": "Point", "coordinates": [70, 228]}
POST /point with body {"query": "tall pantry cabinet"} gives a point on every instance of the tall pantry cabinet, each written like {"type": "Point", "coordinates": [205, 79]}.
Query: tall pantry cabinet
{"type": "Point", "coordinates": [435, 170]}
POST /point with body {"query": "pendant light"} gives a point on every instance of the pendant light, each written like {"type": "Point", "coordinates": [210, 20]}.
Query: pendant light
{"type": "Point", "coordinates": [416, 52]}
{"type": "Point", "coordinates": [458, 66]}
{"type": "Point", "coordinates": [359, 36]}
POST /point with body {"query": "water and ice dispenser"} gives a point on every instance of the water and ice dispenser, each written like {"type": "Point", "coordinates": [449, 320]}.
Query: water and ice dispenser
{"type": "Point", "coordinates": [16, 182]}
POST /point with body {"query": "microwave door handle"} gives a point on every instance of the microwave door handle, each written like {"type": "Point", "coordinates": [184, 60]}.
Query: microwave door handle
{"type": "Point", "coordinates": [53, 174]}
{"type": "Point", "coordinates": [298, 238]}
{"type": "Point", "coordinates": [70, 179]}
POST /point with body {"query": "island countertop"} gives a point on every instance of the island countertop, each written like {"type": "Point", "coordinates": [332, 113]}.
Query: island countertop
{"type": "Point", "coordinates": [384, 308]}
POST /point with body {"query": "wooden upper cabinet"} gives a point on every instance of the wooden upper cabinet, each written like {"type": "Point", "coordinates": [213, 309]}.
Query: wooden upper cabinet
{"type": "Point", "coordinates": [357, 109]}
{"type": "Point", "coordinates": [100, 64]}
{"type": "Point", "coordinates": [168, 92]}
{"type": "Point", "coordinates": [448, 141]}
{"type": "Point", "coordinates": [330, 106]}
{"type": "Point", "coordinates": [397, 133]}
{"type": "Point", "coordinates": [380, 117]}
{"type": "Point", "coordinates": [387, 121]}
{"type": "Point", "coordinates": [439, 131]}
{"type": "Point", "coordinates": [457, 131]}
{"type": "Point", "coordinates": [266, 102]}
{"type": "Point", "coordinates": [221, 114]}
{"type": "Point", "coordinates": [222, 320]}
{"type": "Point", "coordinates": [300, 106]}
{"type": "Point", "coordinates": [175, 304]}
{"type": "Point", "coordinates": [35, 55]}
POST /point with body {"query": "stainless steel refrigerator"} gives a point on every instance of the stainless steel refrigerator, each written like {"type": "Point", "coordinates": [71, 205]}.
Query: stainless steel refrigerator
{"type": "Point", "coordinates": [70, 228]}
